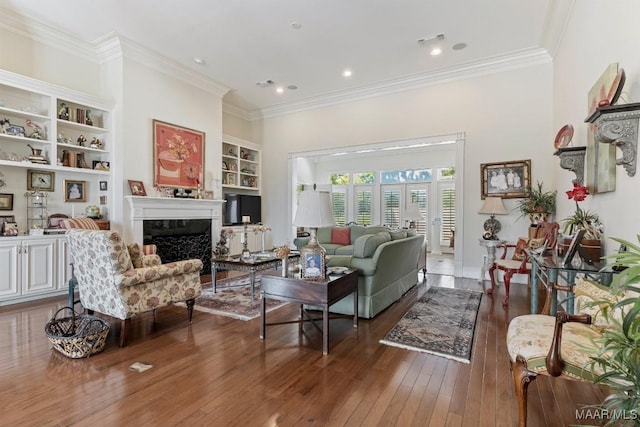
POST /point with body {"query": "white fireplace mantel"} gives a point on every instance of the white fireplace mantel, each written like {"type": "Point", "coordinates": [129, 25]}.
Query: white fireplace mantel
{"type": "Point", "coordinates": [152, 208]}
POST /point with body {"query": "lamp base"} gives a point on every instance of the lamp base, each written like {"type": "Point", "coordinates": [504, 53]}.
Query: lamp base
{"type": "Point", "coordinates": [491, 228]}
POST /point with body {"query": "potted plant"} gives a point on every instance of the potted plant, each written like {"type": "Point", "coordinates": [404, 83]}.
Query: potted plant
{"type": "Point", "coordinates": [583, 219]}
{"type": "Point", "coordinates": [538, 204]}
{"type": "Point", "coordinates": [618, 354]}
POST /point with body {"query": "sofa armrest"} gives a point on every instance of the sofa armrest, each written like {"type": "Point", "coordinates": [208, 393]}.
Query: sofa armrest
{"type": "Point", "coordinates": [301, 242]}
{"type": "Point", "coordinates": [136, 276]}
{"type": "Point", "coordinates": [554, 361]}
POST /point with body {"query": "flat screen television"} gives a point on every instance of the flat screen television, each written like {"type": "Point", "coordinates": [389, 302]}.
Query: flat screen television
{"type": "Point", "coordinates": [239, 205]}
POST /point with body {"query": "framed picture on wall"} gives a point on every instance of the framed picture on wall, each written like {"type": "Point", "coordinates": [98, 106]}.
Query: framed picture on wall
{"type": "Point", "coordinates": [508, 180]}
{"type": "Point", "coordinates": [178, 154]}
{"type": "Point", "coordinates": [75, 191]}
{"type": "Point", "coordinates": [6, 202]}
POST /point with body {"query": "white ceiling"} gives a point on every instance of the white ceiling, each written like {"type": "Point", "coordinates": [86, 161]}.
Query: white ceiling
{"type": "Point", "coordinates": [247, 41]}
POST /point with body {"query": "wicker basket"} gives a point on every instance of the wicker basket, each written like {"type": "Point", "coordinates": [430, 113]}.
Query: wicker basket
{"type": "Point", "coordinates": [77, 336]}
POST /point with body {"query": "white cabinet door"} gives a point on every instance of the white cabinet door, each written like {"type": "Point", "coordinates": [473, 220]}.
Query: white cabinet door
{"type": "Point", "coordinates": [38, 266]}
{"type": "Point", "coordinates": [63, 264]}
{"type": "Point", "coordinates": [9, 269]}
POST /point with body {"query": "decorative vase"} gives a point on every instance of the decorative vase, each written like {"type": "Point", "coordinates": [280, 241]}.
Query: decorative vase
{"type": "Point", "coordinates": [537, 217]}
{"type": "Point", "coordinates": [285, 267]}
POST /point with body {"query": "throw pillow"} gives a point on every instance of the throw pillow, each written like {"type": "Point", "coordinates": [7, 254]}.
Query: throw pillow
{"type": "Point", "coordinates": [341, 236]}
{"type": "Point", "coordinates": [519, 253]}
{"type": "Point", "coordinates": [135, 253]}
{"type": "Point", "coordinates": [535, 243]}
{"type": "Point", "coordinates": [398, 234]}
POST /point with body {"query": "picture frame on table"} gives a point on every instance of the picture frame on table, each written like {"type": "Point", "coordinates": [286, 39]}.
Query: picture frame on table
{"type": "Point", "coordinates": [573, 248]}
{"type": "Point", "coordinates": [4, 219]}
{"type": "Point", "coordinates": [313, 263]}
{"type": "Point", "coordinates": [6, 201]}
{"type": "Point", "coordinates": [508, 180]}
{"type": "Point", "coordinates": [178, 154]}
{"type": "Point", "coordinates": [137, 188]}
{"type": "Point", "coordinates": [75, 191]}
{"type": "Point", "coordinates": [10, 229]}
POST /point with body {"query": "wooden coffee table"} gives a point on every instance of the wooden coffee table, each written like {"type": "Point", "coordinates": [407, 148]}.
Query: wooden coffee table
{"type": "Point", "coordinates": [316, 293]}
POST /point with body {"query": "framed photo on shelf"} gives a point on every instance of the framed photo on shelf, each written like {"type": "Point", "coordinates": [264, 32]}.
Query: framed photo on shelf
{"type": "Point", "coordinates": [10, 229]}
{"type": "Point", "coordinates": [573, 248]}
{"type": "Point", "coordinates": [103, 186]}
{"type": "Point", "coordinates": [75, 191]}
{"type": "Point", "coordinates": [312, 263]}
{"type": "Point", "coordinates": [137, 188]}
{"type": "Point", "coordinates": [40, 180]}
{"type": "Point", "coordinates": [508, 180]}
{"type": "Point", "coordinates": [178, 154]}
{"type": "Point", "coordinates": [99, 165]}
{"type": "Point", "coordinates": [5, 219]}
{"type": "Point", "coordinates": [6, 202]}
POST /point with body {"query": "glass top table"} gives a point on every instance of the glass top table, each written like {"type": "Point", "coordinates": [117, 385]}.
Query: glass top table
{"type": "Point", "coordinates": [549, 269]}
{"type": "Point", "coordinates": [257, 262]}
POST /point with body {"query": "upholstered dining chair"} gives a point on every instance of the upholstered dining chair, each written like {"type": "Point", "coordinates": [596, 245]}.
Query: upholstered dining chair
{"type": "Point", "coordinates": [122, 283]}
{"type": "Point", "coordinates": [517, 263]}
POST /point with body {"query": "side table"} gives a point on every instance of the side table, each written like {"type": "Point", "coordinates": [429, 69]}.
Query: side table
{"type": "Point", "coordinates": [491, 246]}
{"type": "Point", "coordinates": [321, 293]}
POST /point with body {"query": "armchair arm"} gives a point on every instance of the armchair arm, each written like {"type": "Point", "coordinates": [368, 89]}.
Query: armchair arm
{"type": "Point", "coordinates": [136, 276]}
{"type": "Point", "coordinates": [151, 260]}
{"type": "Point", "coordinates": [554, 361]}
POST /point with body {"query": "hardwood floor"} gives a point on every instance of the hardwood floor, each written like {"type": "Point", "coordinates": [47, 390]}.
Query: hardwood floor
{"type": "Point", "coordinates": [218, 372]}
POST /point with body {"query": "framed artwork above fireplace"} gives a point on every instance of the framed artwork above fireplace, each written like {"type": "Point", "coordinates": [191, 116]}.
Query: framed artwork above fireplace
{"type": "Point", "coordinates": [178, 154]}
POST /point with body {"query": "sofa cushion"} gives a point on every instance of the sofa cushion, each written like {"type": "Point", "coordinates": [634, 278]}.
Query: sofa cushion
{"type": "Point", "coordinates": [366, 245]}
{"type": "Point", "coordinates": [398, 234]}
{"type": "Point", "coordinates": [324, 235]}
{"type": "Point", "coordinates": [344, 250]}
{"type": "Point", "coordinates": [341, 236]}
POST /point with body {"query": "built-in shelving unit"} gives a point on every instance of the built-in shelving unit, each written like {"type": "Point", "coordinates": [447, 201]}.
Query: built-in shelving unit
{"type": "Point", "coordinates": [240, 164]}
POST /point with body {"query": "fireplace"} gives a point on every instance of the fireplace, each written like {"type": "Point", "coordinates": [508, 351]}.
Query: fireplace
{"type": "Point", "coordinates": [181, 228]}
{"type": "Point", "coordinates": [180, 239]}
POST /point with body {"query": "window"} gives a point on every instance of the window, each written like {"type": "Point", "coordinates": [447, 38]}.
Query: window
{"type": "Point", "coordinates": [339, 205]}
{"type": "Point", "coordinates": [364, 178]}
{"type": "Point", "coordinates": [340, 178]}
{"type": "Point", "coordinates": [391, 206]}
{"type": "Point", "coordinates": [448, 207]}
{"type": "Point", "coordinates": [364, 205]}
{"type": "Point", "coordinates": [402, 176]}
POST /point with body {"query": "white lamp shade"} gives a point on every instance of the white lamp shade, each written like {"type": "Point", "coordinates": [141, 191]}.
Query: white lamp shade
{"type": "Point", "coordinates": [493, 206]}
{"type": "Point", "coordinates": [412, 213]}
{"type": "Point", "coordinates": [314, 210]}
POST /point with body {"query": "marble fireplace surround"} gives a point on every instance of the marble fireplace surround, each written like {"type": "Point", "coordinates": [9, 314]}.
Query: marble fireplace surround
{"type": "Point", "coordinates": [158, 208]}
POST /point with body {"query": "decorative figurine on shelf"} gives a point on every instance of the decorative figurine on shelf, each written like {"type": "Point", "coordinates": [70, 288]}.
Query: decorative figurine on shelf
{"type": "Point", "coordinates": [95, 143]}
{"type": "Point", "coordinates": [63, 111]}
{"type": "Point", "coordinates": [87, 118]}
{"type": "Point", "coordinates": [81, 140]}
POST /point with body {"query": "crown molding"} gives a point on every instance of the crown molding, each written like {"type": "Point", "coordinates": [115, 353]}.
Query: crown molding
{"type": "Point", "coordinates": [507, 62]}
{"type": "Point", "coordinates": [555, 24]}
{"type": "Point", "coordinates": [113, 45]}
{"type": "Point", "coordinates": [45, 34]}
{"type": "Point", "coordinates": [236, 111]}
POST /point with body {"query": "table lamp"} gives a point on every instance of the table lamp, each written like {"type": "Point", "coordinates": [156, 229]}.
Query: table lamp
{"type": "Point", "coordinates": [412, 214]}
{"type": "Point", "coordinates": [314, 210]}
{"type": "Point", "coordinates": [492, 206]}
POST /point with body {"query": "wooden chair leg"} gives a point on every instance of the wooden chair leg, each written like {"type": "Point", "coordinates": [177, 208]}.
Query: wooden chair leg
{"type": "Point", "coordinates": [507, 283]}
{"type": "Point", "coordinates": [521, 379]}
{"type": "Point", "coordinates": [492, 272]}
{"type": "Point", "coordinates": [190, 303]}
{"type": "Point", "coordinates": [125, 324]}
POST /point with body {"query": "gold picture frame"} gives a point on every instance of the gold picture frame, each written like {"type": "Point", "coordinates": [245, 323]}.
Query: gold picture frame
{"type": "Point", "coordinates": [509, 180]}
{"type": "Point", "coordinates": [40, 180]}
{"type": "Point", "coordinates": [75, 191]}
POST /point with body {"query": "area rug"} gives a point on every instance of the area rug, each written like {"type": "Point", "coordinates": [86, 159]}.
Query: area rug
{"type": "Point", "coordinates": [233, 299]}
{"type": "Point", "coordinates": [441, 322]}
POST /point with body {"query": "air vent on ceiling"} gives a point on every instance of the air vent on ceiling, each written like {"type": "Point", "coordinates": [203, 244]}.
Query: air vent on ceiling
{"type": "Point", "coordinates": [266, 83]}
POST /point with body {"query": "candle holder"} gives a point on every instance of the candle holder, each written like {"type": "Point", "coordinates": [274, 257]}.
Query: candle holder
{"type": "Point", "coordinates": [246, 253]}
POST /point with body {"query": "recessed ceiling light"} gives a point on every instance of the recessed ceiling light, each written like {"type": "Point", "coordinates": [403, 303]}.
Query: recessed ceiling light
{"type": "Point", "coordinates": [346, 73]}
{"type": "Point", "coordinates": [279, 89]}
{"type": "Point", "coordinates": [459, 46]}
{"type": "Point", "coordinates": [296, 25]}
{"type": "Point", "coordinates": [436, 51]}
{"type": "Point", "coordinates": [199, 60]}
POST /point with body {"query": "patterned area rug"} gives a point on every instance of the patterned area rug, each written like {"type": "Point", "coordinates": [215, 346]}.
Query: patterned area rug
{"type": "Point", "coordinates": [233, 299]}
{"type": "Point", "coordinates": [441, 322]}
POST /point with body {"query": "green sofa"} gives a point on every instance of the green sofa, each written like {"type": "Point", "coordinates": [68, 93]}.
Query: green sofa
{"type": "Point", "coordinates": [387, 262]}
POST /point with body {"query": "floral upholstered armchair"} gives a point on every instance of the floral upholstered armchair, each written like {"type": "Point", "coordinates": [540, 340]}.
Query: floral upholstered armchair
{"type": "Point", "coordinates": [121, 282]}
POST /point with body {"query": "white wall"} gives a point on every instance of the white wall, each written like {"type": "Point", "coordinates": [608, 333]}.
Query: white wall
{"type": "Point", "coordinates": [588, 47]}
{"type": "Point", "coordinates": [506, 116]}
